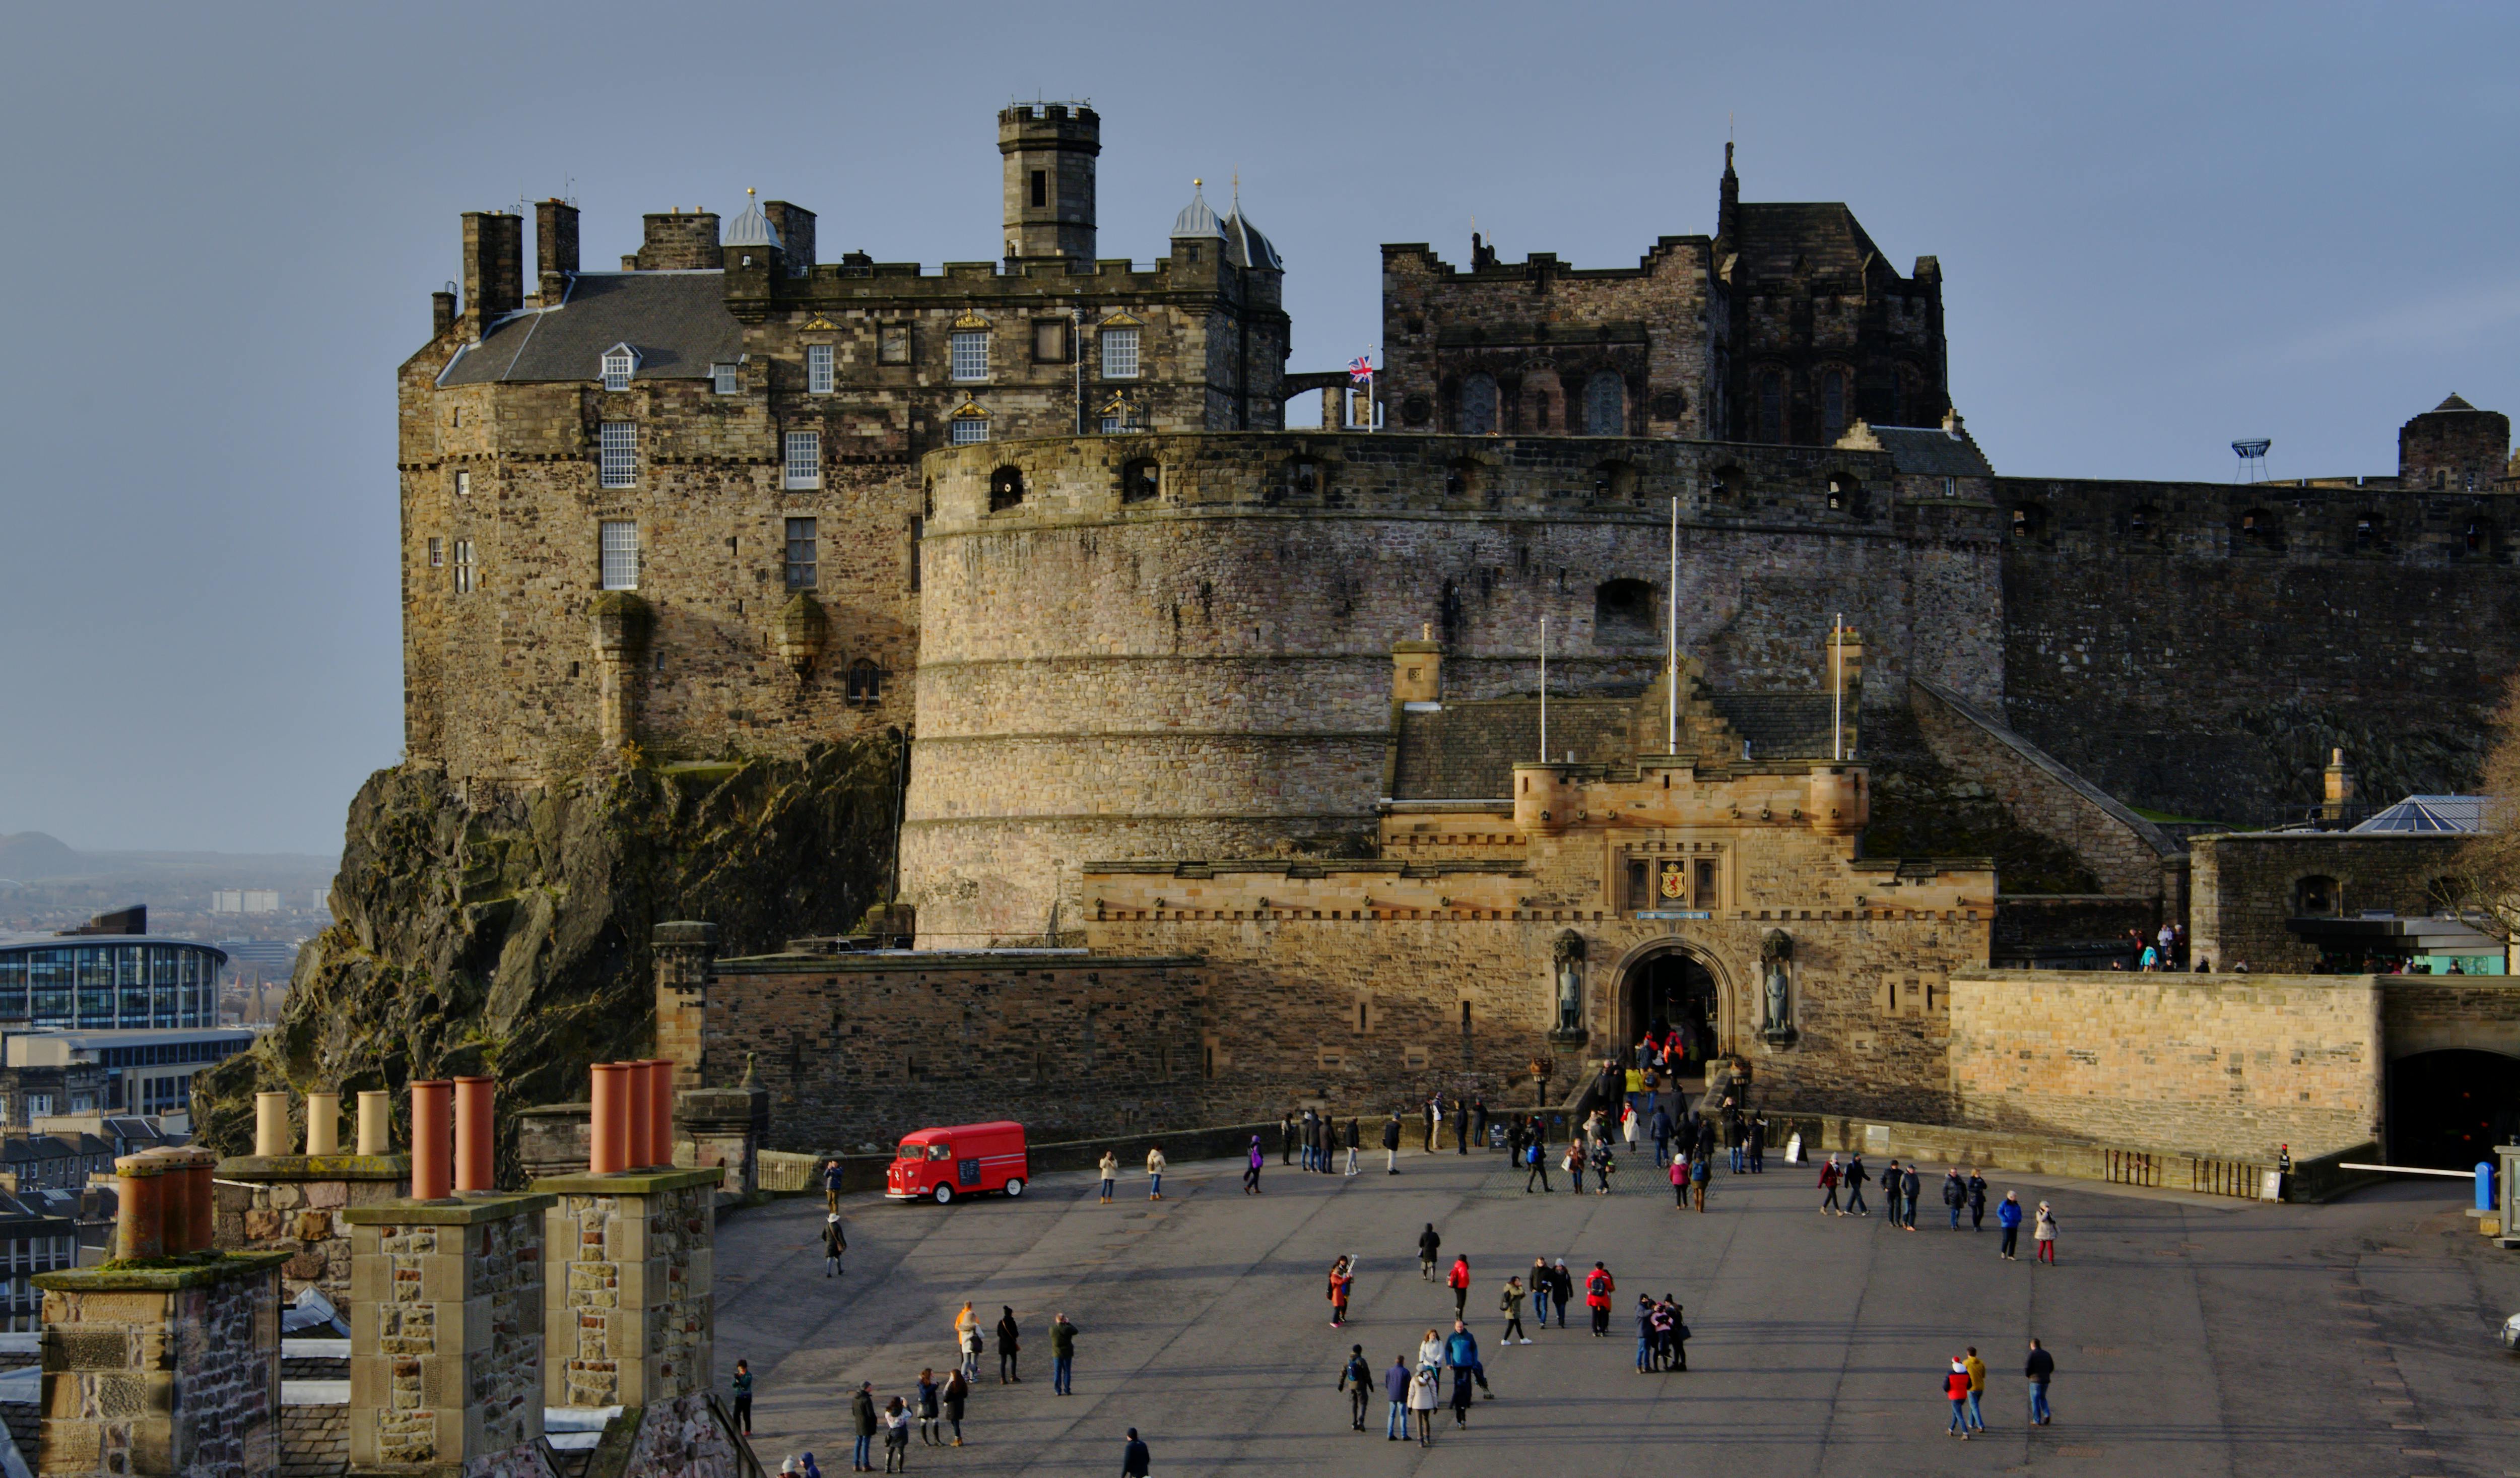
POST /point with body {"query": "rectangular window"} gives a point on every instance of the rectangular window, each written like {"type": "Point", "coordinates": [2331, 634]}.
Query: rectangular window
{"type": "Point", "coordinates": [892, 344]}
{"type": "Point", "coordinates": [918, 530]}
{"type": "Point", "coordinates": [437, 553]}
{"type": "Point", "coordinates": [1050, 341]}
{"type": "Point", "coordinates": [818, 369]}
{"type": "Point", "coordinates": [971, 355]}
{"type": "Point", "coordinates": [616, 369]}
{"type": "Point", "coordinates": [466, 573]}
{"type": "Point", "coordinates": [804, 459]}
{"type": "Point", "coordinates": [727, 379]}
{"type": "Point", "coordinates": [620, 546]}
{"type": "Point", "coordinates": [1040, 189]}
{"type": "Point", "coordinates": [970, 428]}
{"type": "Point", "coordinates": [619, 452]}
{"type": "Point", "coordinates": [800, 554]}
{"type": "Point", "coordinates": [1119, 354]}
{"type": "Point", "coordinates": [464, 485]}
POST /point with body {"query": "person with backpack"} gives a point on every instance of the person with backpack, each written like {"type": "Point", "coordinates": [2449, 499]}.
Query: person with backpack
{"type": "Point", "coordinates": [1510, 1304]}
{"type": "Point", "coordinates": [2007, 1215]}
{"type": "Point", "coordinates": [1535, 1163]}
{"type": "Point", "coordinates": [1828, 1184]}
{"type": "Point", "coordinates": [1357, 1380]}
{"type": "Point", "coordinates": [1343, 1287]}
{"type": "Point", "coordinates": [1599, 1285]}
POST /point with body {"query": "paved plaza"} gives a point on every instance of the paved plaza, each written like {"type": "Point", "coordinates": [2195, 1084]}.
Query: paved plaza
{"type": "Point", "coordinates": [2190, 1335]}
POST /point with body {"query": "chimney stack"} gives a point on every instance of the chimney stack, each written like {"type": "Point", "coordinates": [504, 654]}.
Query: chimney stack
{"type": "Point", "coordinates": [795, 227]}
{"type": "Point", "coordinates": [1418, 669]}
{"type": "Point", "coordinates": [433, 1137]}
{"type": "Point", "coordinates": [555, 248]}
{"type": "Point", "coordinates": [680, 243]}
{"type": "Point", "coordinates": [475, 1142]}
{"type": "Point", "coordinates": [2339, 788]}
{"type": "Point", "coordinates": [494, 266]}
{"type": "Point", "coordinates": [441, 313]}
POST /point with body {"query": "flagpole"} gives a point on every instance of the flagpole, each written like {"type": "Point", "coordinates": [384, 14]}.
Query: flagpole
{"type": "Point", "coordinates": [1671, 616]}
{"type": "Point", "coordinates": [1838, 686]}
{"type": "Point", "coordinates": [1544, 690]}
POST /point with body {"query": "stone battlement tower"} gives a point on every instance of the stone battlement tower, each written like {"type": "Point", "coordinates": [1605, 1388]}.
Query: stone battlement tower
{"type": "Point", "coordinates": [1050, 149]}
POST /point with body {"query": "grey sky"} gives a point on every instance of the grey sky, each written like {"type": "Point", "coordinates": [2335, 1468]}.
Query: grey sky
{"type": "Point", "coordinates": [2160, 228]}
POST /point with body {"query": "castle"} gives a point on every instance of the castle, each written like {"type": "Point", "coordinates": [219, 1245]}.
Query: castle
{"type": "Point", "coordinates": [1184, 683]}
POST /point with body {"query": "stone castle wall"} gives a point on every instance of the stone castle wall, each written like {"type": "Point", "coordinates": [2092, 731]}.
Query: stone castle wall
{"type": "Point", "coordinates": [1207, 674]}
{"type": "Point", "coordinates": [2244, 887]}
{"type": "Point", "coordinates": [2222, 1065]}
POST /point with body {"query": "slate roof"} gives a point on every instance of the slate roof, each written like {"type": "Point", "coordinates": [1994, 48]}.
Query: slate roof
{"type": "Point", "coordinates": [676, 320]}
{"type": "Point", "coordinates": [1930, 451]}
{"type": "Point", "coordinates": [1467, 751]}
{"type": "Point", "coordinates": [1779, 726]}
{"type": "Point", "coordinates": [1824, 233]}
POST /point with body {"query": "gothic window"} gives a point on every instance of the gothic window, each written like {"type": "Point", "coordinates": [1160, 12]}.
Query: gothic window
{"type": "Point", "coordinates": [617, 454]}
{"type": "Point", "coordinates": [1006, 489]}
{"type": "Point", "coordinates": [1478, 405]}
{"type": "Point", "coordinates": [804, 460]}
{"type": "Point", "coordinates": [1605, 412]}
{"type": "Point", "coordinates": [818, 369]}
{"type": "Point", "coordinates": [619, 548]}
{"type": "Point", "coordinates": [1141, 481]}
{"type": "Point", "coordinates": [1833, 405]}
{"type": "Point", "coordinates": [1770, 401]}
{"type": "Point", "coordinates": [1623, 612]}
{"type": "Point", "coordinates": [866, 682]}
{"type": "Point", "coordinates": [800, 554]}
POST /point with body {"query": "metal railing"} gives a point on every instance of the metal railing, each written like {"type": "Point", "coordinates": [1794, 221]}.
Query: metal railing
{"type": "Point", "coordinates": [2131, 1167]}
{"type": "Point", "coordinates": [2225, 1178]}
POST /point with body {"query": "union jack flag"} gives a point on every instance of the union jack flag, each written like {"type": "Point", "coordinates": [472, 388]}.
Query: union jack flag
{"type": "Point", "coordinates": [1361, 368]}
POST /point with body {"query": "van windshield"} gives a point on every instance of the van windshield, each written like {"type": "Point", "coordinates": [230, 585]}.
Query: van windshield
{"type": "Point", "coordinates": [913, 1152]}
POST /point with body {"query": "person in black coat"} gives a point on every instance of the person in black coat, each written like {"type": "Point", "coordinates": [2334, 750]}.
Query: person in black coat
{"type": "Point", "coordinates": [1391, 1145]}
{"type": "Point", "coordinates": [1010, 1341]}
{"type": "Point", "coordinates": [1460, 1128]}
{"type": "Point", "coordinates": [1429, 1246]}
{"type": "Point", "coordinates": [1133, 1458]}
{"type": "Point", "coordinates": [1977, 1201]}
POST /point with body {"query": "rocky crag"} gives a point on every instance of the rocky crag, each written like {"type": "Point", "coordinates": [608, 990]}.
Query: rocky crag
{"type": "Point", "coordinates": [506, 932]}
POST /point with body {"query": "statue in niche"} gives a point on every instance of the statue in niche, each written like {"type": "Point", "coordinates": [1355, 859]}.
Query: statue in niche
{"type": "Point", "coordinates": [1568, 955]}
{"type": "Point", "coordinates": [1775, 952]}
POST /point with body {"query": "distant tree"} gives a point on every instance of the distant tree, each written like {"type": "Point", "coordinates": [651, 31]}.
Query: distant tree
{"type": "Point", "coordinates": [2486, 888]}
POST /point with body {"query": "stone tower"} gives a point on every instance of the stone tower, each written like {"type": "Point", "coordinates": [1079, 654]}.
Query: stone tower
{"type": "Point", "coordinates": [1049, 150]}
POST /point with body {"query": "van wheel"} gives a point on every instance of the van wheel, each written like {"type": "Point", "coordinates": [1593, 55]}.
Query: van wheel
{"type": "Point", "coordinates": [944, 1195]}
{"type": "Point", "coordinates": [1014, 1185]}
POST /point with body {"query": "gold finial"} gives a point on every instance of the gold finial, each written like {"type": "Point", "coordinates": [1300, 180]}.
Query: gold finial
{"type": "Point", "coordinates": [747, 189]}
{"type": "Point", "coordinates": [1195, 182]}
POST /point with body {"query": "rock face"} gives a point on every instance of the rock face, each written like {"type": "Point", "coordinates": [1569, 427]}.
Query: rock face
{"type": "Point", "coordinates": [504, 931]}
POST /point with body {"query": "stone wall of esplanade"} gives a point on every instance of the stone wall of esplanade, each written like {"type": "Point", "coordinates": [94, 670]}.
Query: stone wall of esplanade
{"type": "Point", "coordinates": [1179, 647]}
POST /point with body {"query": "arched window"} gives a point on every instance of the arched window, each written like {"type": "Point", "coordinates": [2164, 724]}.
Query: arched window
{"type": "Point", "coordinates": [1303, 477]}
{"type": "Point", "coordinates": [1834, 397]}
{"type": "Point", "coordinates": [1623, 612]}
{"type": "Point", "coordinates": [1770, 397]}
{"type": "Point", "coordinates": [1141, 481]}
{"type": "Point", "coordinates": [2316, 898]}
{"type": "Point", "coordinates": [866, 682]}
{"type": "Point", "coordinates": [1724, 486]}
{"type": "Point", "coordinates": [1006, 489]}
{"type": "Point", "coordinates": [1605, 406]}
{"type": "Point", "coordinates": [1478, 405]}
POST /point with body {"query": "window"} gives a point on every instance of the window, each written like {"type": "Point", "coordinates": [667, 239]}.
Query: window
{"type": "Point", "coordinates": [620, 546]}
{"type": "Point", "coordinates": [1772, 406]}
{"type": "Point", "coordinates": [1605, 406]}
{"type": "Point", "coordinates": [1119, 354]}
{"type": "Point", "coordinates": [2316, 898]}
{"type": "Point", "coordinates": [1304, 476]}
{"type": "Point", "coordinates": [970, 356]}
{"type": "Point", "coordinates": [618, 361]}
{"type": "Point", "coordinates": [1705, 884]}
{"type": "Point", "coordinates": [466, 573]}
{"type": "Point", "coordinates": [966, 429]}
{"type": "Point", "coordinates": [818, 369]}
{"type": "Point", "coordinates": [866, 682]}
{"type": "Point", "coordinates": [464, 485]}
{"type": "Point", "coordinates": [619, 444]}
{"type": "Point", "coordinates": [1040, 189]}
{"type": "Point", "coordinates": [1006, 489]}
{"type": "Point", "coordinates": [804, 459]}
{"type": "Point", "coordinates": [1141, 481]}
{"type": "Point", "coordinates": [1623, 611]}
{"type": "Point", "coordinates": [437, 553]}
{"type": "Point", "coordinates": [1050, 341]}
{"type": "Point", "coordinates": [1478, 405]}
{"type": "Point", "coordinates": [1639, 889]}
{"type": "Point", "coordinates": [800, 554]}
{"type": "Point", "coordinates": [892, 344]}
{"type": "Point", "coordinates": [1833, 405]}
{"type": "Point", "coordinates": [918, 532]}
{"type": "Point", "coordinates": [727, 379]}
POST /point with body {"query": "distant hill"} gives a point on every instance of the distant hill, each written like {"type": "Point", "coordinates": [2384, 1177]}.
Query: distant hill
{"type": "Point", "coordinates": [30, 854]}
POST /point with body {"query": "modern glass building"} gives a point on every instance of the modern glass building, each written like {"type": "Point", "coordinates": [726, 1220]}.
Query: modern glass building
{"type": "Point", "coordinates": [106, 981]}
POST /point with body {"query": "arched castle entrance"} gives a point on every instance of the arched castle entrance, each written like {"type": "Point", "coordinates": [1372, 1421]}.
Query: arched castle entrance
{"type": "Point", "coordinates": [2449, 1108]}
{"type": "Point", "coordinates": [1672, 982]}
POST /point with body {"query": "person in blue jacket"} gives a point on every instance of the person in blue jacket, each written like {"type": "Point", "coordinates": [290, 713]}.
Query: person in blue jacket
{"type": "Point", "coordinates": [1461, 1358]}
{"type": "Point", "coordinates": [2008, 1216]}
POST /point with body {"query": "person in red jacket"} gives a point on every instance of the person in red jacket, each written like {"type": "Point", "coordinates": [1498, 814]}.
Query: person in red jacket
{"type": "Point", "coordinates": [1599, 1285]}
{"type": "Point", "coordinates": [1460, 1281]}
{"type": "Point", "coordinates": [1956, 1389]}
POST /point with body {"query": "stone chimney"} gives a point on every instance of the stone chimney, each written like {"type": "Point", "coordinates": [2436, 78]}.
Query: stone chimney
{"type": "Point", "coordinates": [555, 248]}
{"type": "Point", "coordinates": [442, 314]}
{"type": "Point", "coordinates": [494, 266]}
{"type": "Point", "coordinates": [1418, 669]}
{"type": "Point", "coordinates": [685, 951]}
{"type": "Point", "coordinates": [2337, 800]}
{"type": "Point", "coordinates": [296, 1204]}
{"type": "Point", "coordinates": [676, 242]}
{"type": "Point", "coordinates": [795, 227]}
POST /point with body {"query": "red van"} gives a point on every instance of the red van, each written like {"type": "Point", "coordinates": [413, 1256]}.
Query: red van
{"type": "Point", "coordinates": [963, 1160]}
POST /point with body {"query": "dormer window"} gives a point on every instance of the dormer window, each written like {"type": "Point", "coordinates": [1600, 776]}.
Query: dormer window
{"type": "Point", "coordinates": [618, 363]}
{"type": "Point", "coordinates": [727, 379]}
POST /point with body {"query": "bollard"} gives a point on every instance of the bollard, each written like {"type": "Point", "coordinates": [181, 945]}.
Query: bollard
{"type": "Point", "coordinates": [474, 1144]}
{"type": "Point", "coordinates": [432, 1136]}
{"type": "Point", "coordinates": [322, 1124]}
{"type": "Point", "coordinates": [271, 1124]}
{"type": "Point", "coordinates": [661, 1108]}
{"type": "Point", "coordinates": [139, 1210]}
{"type": "Point", "coordinates": [2484, 1186]}
{"type": "Point", "coordinates": [609, 1122]}
{"type": "Point", "coordinates": [636, 1153]}
{"type": "Point", "coordinates": [376, 1122]}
